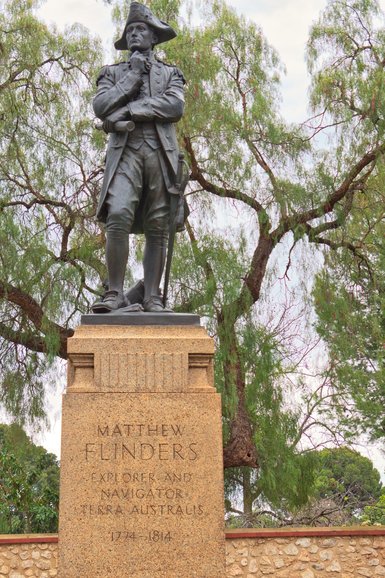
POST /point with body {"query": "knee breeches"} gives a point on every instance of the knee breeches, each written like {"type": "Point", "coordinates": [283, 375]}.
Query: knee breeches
{"type": "Point", "coordinates": [138, 187]}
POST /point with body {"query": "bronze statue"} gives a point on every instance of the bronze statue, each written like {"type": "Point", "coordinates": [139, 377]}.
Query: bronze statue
{"type": "Point", "coordinates": [139, 101]}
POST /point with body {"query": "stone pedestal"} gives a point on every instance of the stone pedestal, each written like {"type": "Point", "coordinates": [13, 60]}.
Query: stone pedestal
{"type": "Point", "coordinates": [141, 466]}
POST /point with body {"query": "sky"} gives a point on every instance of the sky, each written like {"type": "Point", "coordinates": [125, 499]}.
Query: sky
{"type": "Point", "coordinates": [286, 25]}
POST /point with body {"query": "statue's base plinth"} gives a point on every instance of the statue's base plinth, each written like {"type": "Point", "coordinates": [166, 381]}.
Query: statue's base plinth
{"type": "Point", "coordinates": [141, 466]}
{"type": "Point", "coordinates": [140, 318]}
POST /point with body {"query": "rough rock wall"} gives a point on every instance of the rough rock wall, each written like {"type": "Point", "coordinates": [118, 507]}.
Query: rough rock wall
{"type": "Point", "coordinates": [28, 559]}
{"type": "Point", "coordinates": [302, 556]}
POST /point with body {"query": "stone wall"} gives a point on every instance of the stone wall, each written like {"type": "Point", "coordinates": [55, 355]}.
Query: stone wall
{"type": "Point", "coordinates": [28, 556]}
{"type": "Point", "coordinates": [295, 553]}
{"type": "Point", "coordinates": [307, 553]}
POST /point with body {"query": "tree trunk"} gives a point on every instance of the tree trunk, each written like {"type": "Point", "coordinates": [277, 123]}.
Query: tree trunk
{"type": "Point", "coordinates": [247, 493]}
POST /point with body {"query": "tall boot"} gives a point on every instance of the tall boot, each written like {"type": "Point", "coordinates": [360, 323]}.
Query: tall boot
{"type": "Point", "coordinates": [116, 259]}
{"type": "Point", "coordinates": [153, 265]}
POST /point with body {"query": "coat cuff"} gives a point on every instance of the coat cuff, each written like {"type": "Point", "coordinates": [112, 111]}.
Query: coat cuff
{"type": "Point", "coordinates": [131, 82]}
{"type": "Point", "coordinates": [141, 110]}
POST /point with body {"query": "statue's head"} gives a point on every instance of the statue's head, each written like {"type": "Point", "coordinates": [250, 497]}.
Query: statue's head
{"type": "Point", "coordinates": [135, 35]}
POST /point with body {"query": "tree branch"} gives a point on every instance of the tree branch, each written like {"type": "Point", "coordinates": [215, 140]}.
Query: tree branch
{"type": "Point", "coordinates": [348, 186]}
{"type": "Point", "coordinates": [35, 314]}
{"type": "Point", "coordinates": [31, 342]}
{"type": "Point", "coordinates": [197, 175]}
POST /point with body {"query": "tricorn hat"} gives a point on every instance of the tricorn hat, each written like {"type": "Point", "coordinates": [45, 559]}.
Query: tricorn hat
{"type": "Point", "coordinates": [140, 13]}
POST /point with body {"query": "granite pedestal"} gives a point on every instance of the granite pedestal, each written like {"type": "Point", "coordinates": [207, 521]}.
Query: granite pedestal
{"type": "Point", "coordinates": [141, 468]}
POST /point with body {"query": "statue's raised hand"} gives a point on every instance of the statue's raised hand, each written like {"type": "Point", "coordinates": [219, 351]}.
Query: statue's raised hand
{"type": "Point", "coordinates": [139, 62]}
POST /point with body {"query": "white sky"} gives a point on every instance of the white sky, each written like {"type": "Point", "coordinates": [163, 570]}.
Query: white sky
{"type": "Point", "coordinates": [285, 23]}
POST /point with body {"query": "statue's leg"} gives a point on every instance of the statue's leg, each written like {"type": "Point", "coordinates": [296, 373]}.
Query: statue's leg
{"type": "Point", "coordinates": [121, 203]}
{"type": "Point", "coordinates": [153, 262]}
{"type": "Point", "coordinates": [116, 260]}
{"type": "Point", "coordinates": [156, 225]}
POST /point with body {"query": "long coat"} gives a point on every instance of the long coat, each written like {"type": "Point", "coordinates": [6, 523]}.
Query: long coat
{"type": "Point", "coordinates": [118, 88]}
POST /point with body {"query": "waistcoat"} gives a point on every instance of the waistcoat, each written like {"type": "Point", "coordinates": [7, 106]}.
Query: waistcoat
{"type": "Point", "coordinates": [144, 131]}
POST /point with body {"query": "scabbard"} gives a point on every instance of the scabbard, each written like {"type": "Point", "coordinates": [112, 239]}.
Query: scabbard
{"type": "Point", "coordinates": [174, 200]}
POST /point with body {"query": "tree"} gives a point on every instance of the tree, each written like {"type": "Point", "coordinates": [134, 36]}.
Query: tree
{"type": "Point", "coordinates": [281, 179]}
{"type": "Point", "coordinates": [349, 292]}
{"type": "Point", "coordinates": [29, 484]}
{"type": "Point", "coordinates": [375, 514]}
{"type": "Point", "coordinates": [340, 486]}
{"type": "Point", "coordinates": [350, 305]}
{"type": "Point", "coordinates": [345, 485]}
{"type": "Point", "coordinates": [294, 193]}
{"type": "Point", "coordinates": [48, 190]}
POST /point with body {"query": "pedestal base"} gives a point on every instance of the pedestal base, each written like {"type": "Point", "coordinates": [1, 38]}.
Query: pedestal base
{"type": "Point", "coordinates": [141, 468]}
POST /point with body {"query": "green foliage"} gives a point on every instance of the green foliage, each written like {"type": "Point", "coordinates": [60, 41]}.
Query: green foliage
{"type": "Point", "coordinates": [257, 184]}
{"type": "Point", "coordinates": [345, 55]}
{"type": "Point", "coordinates": [281, 485]}
{"type": "Point", "coordinates": [29, 484]}
{"type": "Point", "coordinates": [350, 305]}
{"type": "Point", "coordinates": [336, 486]}
{"type": "Point", "coordinates": [375, 514]}
{"type": "Point", "coordinates": [246, 161]}
{"type": "Point", "coordinates": [346, 483]}
{"type": "Point", "coordinates": [285, 475]}
{"type": "Point", "coordinates": [50, 246]}
{"type": "Point", "coordinates": [344, 474]}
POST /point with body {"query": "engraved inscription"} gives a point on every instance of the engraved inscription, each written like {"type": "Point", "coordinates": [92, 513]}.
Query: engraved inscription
{"type": "Point", "coordinates": [151, 536]}
{"type": "Point", "coordinates": [144, 510]}
{"type": "Point", "coordinates": [135, 492]}
{"type": "Point", "coordinates": [141, 494]}
{"type": "Point", "coordinates": [139, 430]}
{"type": "Point", "coordinates": [139, 450]}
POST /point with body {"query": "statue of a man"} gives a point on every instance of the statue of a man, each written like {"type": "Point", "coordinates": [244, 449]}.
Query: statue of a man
{"type": "Point", "coordinates": [141, 165]}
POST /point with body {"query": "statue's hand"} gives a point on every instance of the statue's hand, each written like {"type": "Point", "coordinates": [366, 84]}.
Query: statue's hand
{"type": "Point", "coordinates": [119, 114]}
{"type": "Point", "coordinates": [139, 62]}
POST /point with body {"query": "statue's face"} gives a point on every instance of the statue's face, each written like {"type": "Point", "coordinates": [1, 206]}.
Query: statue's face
{"type": "Point", "coordinates": [140, 36]}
